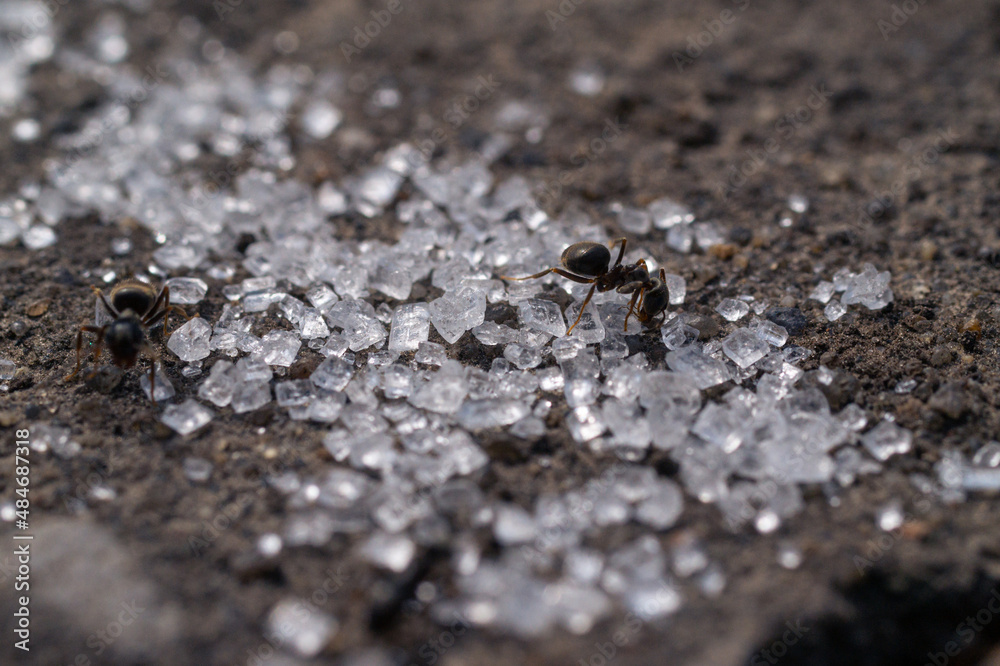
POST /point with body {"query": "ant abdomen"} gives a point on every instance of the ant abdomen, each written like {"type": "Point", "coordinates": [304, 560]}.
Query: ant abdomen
{"type": "Point", "coordinates": [587, 258]}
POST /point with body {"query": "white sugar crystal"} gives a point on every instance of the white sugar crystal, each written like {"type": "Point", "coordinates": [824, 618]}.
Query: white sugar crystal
{"type": "Point", "coordinates": [542, 316]}
{"type": "Point", "coordinates": [664, 505]}
{"type": "Point", "coordinates": [38, 236]}
{"type": "Point", "coordinates": [248, 396]}
{"type": "Point", "coordinates": [458, 311]}
{"type": "Point", "coordinates": [164, 389]}
{"type": "Point", "coordinates": [513, 525]}
{"type": "Point", "coordinates": [333, 374]}
{"type": "Point", "coordinates": [321, 297]}
{"type": "Point", "coordinates": [186, 417]}
{"type": "Point", "coordinates": [707, 234]}
{"type": "Point", "coordinates": [491, 413]}
{"type": "Point", "coordinates": [823, 292]}
{"type": "Point", "coordinates": [357, 319]}
{"type": "Point", "coordinates": [720, 426]}
{"type": "Point", "coordinates": [186, 291]}
{"type": "Point", "coordinates": [280, 347]}
{"type": "Point", "coordinates": [676, 288]}
{"type": "Point", "coordinates": [890, 516]}
{"type": "Point", "coordinates": [590, 328]}
{"type": "Point", "coordinates": [218, 387]}
{"type": "Point", "coordinates": [887, 439]}
{"type": "Point", "coordinates": [680, 238]}
{"type": "Point", "coordinates": [393, 552]}
{"type": "Point", "coordinates": [392, 278]}
{"type": "Point", "coordinates": [769, 332]}
{"type": "Point", "coordinates": [450, 275]}
{"type": "Point", "coordinates": [312, 325]}
{"type": "Point", "coordinates": [300, 627]}
{"type": "Point", "coordinates": [668, 213]}
{"type": "Point", "coordinates": [678, 335]}
{"type": "Point", "coordinates": [197, 470]}
{"type": "Point", "coordinates": [7, 369]}
{"type": "Point", "coordinates": [798, 203]}
{"type": "Point", "coordinates": [626, 424]}
{"type": "Point", "coordinates": [586, 80]}
{"type": "Point", "coordinates": [732, 309]}
{"type": "Point", "coordinates": [191, 341]}
{"type": "Point", "coordinates": [744, 348]}
{"type": "Point", "coordinates": [870, 288]}
{"type": "Point", "coordinates": [635, 220]}
{"type": "Point", "coordinates": [522, 357]}
{"type": "Point", "coordinates": [491, 333]}
{"type": "Point", "coordinates": [430, 353]}
{"type": "Point", "coordinates": [373, 190]}
{"type": "Point", "coordinates": [9, 230]}
{"type": "Point", "coordinates": [326, 407]}
{"type": "Point", "coordinates": [585, 423]}
{"type": "Point", "coordinates": [253, 369]}
{"type": "Point", "coordinates": [987, 456]}
{"type": "Point", "coordinates": [410, 327]}
{"type": "Point", "coordinates": [834, 310]}
{"type": "Point", "coordinates": [320, 118]}
{"type": "Point", "coordinates": [443, 394]}
{"type": "Point", "coordinates": [703, 370]}
{"type": "Point", "coordinates": [331, 199]}
{"type": "Point", "coordinates": [397, 381]}
{"type": "Point", "coordinates": [292, 393]}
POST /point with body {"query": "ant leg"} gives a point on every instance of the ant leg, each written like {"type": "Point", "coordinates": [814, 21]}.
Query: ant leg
{"type": "Point", "coordinates": [530, 277]}
{"type": "Point", "coordinates": [636, 296]}
{"type": "Point", "coordinates": [99, 330]}
{"type": "Point", "coordinates": [104, 299]}
{"type": "Point", "coordinates": [557, 271]}
{"type": "Point", "coordinates": [154, 359]}
{"type": "Point", "coordinates": [590, 294]}
{"type": "Point", "coordinates": [621, 252]}
{"type": "Point", "coordinates": [166, 313]}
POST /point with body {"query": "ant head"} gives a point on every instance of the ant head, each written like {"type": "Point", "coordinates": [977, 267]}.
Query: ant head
{"type": "Point", "coordinates": [655, 300]}
{"type": "Point", "coordinates": [124, 338]}
{"type": "Point", "coordinates": [587, 259]}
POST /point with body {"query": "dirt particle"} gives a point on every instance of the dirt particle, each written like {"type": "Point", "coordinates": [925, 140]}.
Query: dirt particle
{"type": "Point", "coordinates": [38, 308]}
{"type": "Point", "coordinates": [941, 356]}
{"type": "Point", "coordinates": [792, 319]}
{"type": "Point", "coordinates": [724, 251]}
{"type": "Point", "coordinates": [950, 400]}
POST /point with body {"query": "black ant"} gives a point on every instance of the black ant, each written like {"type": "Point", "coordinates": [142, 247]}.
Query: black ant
{"type": "Point", "coordinates": [590, 263]}
{"type": "Point", "coordinates": [135, 306]}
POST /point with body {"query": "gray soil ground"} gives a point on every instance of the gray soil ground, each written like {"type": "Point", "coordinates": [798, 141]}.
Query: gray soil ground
{"type": "Point", "coordinates": [913, 111]}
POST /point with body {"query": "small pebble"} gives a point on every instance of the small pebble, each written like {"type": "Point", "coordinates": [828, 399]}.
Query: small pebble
{"type": "Point", "coordinates": [792, 320]}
